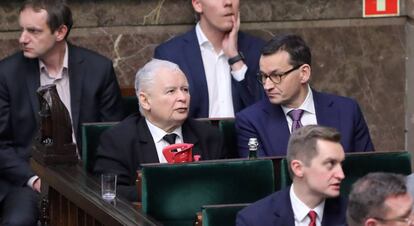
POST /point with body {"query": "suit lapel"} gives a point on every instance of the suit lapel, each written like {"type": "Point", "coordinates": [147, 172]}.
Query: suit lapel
{"type": "Point", "coordinates": [196, 73]}
{"type": "Point", "coordinates": [32, 78]}
{"type": "Point", "coordinates": [334, 212]}
{"type": "Point", "coordinates": [147, 152]}
{"type": "Point", "coordinates": [190, 137]}
{"type": "Point", "coordinates": [283, 211]}
{"type": "Point", "coordinates": [326, 114]}
{"type": "Point", "coordinates": [276, 126]}
{"type": "Point", "coordinates": [77, 71]}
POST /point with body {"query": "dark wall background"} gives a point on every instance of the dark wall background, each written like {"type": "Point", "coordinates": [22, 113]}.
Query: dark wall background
{"type": "Point", "coordinates": [353, 56]}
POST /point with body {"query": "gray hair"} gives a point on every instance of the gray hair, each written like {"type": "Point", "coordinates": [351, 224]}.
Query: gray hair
{"type": "Point", "coordinates": [144, 78]}
{"type": "Point", "coordinates": [368, 195]}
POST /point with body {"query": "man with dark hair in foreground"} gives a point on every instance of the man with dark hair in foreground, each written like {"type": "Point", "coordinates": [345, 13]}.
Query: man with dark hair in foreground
{"type": "Point", "coordinates": [314, 157]}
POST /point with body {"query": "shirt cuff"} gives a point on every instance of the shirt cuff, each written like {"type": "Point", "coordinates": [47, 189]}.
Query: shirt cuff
{"type": "Point", "coordinates": [31, 181]}
{"type": "Point", "coordinates": [239, 74]}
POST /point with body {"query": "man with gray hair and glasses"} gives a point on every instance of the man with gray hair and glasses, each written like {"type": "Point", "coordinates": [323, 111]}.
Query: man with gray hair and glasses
{"type": "Point", "coordinates": [164, 99]}
{"type": "Point", "coordinates": [380, 199]}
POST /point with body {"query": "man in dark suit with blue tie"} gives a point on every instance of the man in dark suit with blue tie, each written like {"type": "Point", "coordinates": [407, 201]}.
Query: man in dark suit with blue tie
{"type": "Point", "coordinates": [285, 72]}
{"type": "Point", "coordinates": [85, 82]}
{"type": "Point", "coordinates": [314, 159]}
{"type": "Point", "coordinates": [220, 62]}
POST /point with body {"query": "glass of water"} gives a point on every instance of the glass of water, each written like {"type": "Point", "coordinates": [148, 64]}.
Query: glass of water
{"type": "Point", "coordinates": [108, 186]}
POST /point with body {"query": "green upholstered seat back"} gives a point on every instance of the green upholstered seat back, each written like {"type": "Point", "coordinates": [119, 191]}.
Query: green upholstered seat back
{"type": "Point", "coordinates": [285, 179]}
{"type": "Point", "coordinates": [221, 215]}
{"type": "Point", "coordinates": [91, 133]}
{"type": "Point", "coordinates": [174, 193]}
{"type": "Point", "coordinates": [226, 127]}
{"type": "Point", "coordinates": [130, 104]}
{"type": "Point", "coordinates": [359, 164]}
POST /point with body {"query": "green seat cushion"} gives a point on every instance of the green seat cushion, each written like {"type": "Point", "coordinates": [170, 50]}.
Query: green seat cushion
{"type": "Point", "coordinates": [173, 193]}
{"type": "Point", "coordinates": [221, 215]}
{"type": "Point", "coordinates": [91, 133]}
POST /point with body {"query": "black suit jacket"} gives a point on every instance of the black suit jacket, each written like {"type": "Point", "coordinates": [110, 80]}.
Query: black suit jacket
{"type": "Point", "coordinates": [95, 96]}
{"type": "Point", "coordinates": [184, 50]}
{"type": "Point", "coordinates": [276, 210]}
{"type": "Point", "coordinates": [128, 144]}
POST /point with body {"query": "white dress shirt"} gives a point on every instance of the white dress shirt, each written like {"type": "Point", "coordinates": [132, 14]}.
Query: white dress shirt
{"type": "Point", "coordinates": [301, 210]}
{"type": "Point", "coordinates": [218, 75]}
{"type": "Point", "coordinates": [158, 134]}
{"type": "Point", "coordinates": [309, 113]}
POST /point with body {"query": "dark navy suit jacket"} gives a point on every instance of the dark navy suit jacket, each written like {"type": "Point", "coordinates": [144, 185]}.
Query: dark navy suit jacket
{"type": "Point", "coordinates": [267, 122]}
{"type": "Point", "coordinates": [184, 50]}
{"type": "Point", "coordinates": [276, 210]}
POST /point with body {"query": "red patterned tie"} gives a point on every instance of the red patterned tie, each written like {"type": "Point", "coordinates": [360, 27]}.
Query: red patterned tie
{"type": "Point", "coordinates": [295, 115]}
{"type": "Point", "coordinates": [312, 216]}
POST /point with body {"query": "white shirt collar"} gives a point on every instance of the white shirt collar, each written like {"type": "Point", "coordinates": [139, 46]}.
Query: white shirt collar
{"type": "Point", "coordinates": [308, 104]}
{"type": "Point", "coordinates": [301, 210]}
{"type": "Point", "coordinates": [42, 65]}
{"type": "Point", "coordinates": [158, 134]}
{"type": "Point", "coordinates": [201, 37]}
{"type": "Point", "coordinates": [203, 41]}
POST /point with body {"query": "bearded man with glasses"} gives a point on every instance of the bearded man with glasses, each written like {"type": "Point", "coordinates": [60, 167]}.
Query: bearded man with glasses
{"type": "Point", "coordinates": [285, 73]}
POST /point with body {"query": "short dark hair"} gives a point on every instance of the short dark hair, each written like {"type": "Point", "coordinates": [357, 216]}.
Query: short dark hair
{"type": "Point", "coordinates": [303, 143]}
{"type": "Point", "coordinates": [58, 12]}
{"type": "Point", "coordinates": [368, 195]}
{"type": "Point", "coordinates": [298, 51]}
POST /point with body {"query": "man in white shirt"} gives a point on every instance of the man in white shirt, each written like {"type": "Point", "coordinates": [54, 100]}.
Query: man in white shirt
{"type": "Point", "coordinates": [163, 93]}
{"type": "Point", "coordinates": [314, 161]}
{"type": "Point", "coordinates": [380, 199]}
{"type": "Point", "coordinates": [219, 61]}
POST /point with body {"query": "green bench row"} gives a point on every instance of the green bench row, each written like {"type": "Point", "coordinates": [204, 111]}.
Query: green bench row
{"type": "Point", "coordinates": [173, 194]}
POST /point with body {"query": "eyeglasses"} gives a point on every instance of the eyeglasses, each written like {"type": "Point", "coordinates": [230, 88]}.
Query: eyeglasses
{"type": "Point", "coordinates": [274, 76]}
{"type": "Point", "coordinates": [408, 220]}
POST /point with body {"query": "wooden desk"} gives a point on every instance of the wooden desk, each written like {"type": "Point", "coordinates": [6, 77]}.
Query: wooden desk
{"type": "Point", "coordinates": [75, 199]}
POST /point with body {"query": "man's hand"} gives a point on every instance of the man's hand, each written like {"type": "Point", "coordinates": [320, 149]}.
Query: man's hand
{"type": "Point", "coordinates": [229, 44]}
{"type": "Point", "coordinates": [230, 39]}
{"type": "Point", "coordinates": [37, 184]}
